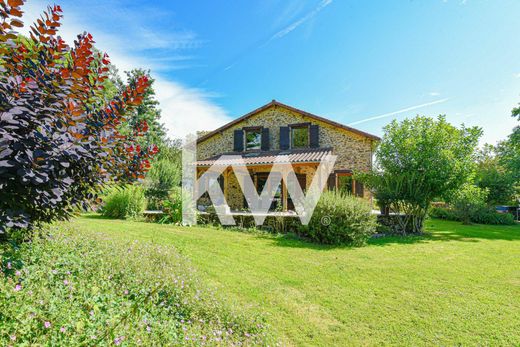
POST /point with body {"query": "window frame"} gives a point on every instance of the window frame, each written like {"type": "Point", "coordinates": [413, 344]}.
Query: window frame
{"type": "Point", "coordinates": [293, 127]}
{"type": "Point", "coordinates": [257, 129]}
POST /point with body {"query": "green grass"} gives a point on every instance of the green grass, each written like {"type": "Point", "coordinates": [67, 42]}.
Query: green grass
{"type": "Point", "coordinates": [458, 285]}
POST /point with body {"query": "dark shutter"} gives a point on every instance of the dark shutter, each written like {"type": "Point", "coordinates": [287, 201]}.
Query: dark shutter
{"type": "Point", "coordinates": [360, 190]}
{"type": "Point", "coordinates": [332, 181]}
{"type": "Point", "coordinates": [315, 136]}
{"type": "Point", "coordinates": [284, 138]}
{"type": "Point", "coordinates": [238, 145]}
{"type": "Point", "coordinates": [265, 139]}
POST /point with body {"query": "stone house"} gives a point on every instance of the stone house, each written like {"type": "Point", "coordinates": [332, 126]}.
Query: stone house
{"type": "Point", "coordinates": [276, 128]}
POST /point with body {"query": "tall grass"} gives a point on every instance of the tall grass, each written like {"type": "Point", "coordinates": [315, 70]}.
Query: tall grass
{"type": "Point", "coordinates": [124, 202]}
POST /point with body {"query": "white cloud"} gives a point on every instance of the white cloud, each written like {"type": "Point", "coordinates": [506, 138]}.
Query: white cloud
{"type": "Point", "coordinates": [517, 75]}
{"type": "Point", "coordinates": [434, 93]}
{"type": "Point", "coordinates": [184, 110]}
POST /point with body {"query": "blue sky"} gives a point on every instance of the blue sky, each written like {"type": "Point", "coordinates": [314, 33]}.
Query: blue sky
{"type": "Point", "coordinates": [356, 62]}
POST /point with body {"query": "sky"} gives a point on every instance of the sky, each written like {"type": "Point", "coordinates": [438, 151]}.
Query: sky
{"type": "Point", "coordinates": [360, 63]}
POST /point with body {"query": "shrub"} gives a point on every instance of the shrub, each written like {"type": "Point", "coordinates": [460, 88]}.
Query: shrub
{"type": "Point", "coordinates": [59, 136]}
{"type": "Point", "coordinates": [172, 207]}
{"type": "Point", "coordinates": [108, 291]}
{"type": "Point", "coordinates": [124, 202]}
{"type": "Point", "coordinates": [481, 215]}
{"type": "Point", "coordinates": [443, 213]}
{"type": "Point", "coordinates": [488, 215]}
{"type": "Point", "coordinates": [163, 176]}
{"type": "Point", "coordinates": [467, 201]}
{"type": "Point", "coordinates": [340, 219]}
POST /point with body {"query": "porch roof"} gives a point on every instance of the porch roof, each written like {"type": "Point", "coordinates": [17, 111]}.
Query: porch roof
{"type": "Point", "coordinates": [293, 156]}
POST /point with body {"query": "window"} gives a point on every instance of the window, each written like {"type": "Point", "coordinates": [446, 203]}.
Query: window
{"type": "Point", "coordinates": [253, 139]}
{"type": "Point", "coordinates": [299, 137]}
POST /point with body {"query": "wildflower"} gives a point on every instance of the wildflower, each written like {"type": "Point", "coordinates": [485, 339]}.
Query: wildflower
{"type": "Point", "coordinates": [65, 282]}
{"type": "Point", "coordinates": [9, 265]}
{"type": "Point", "coordinates": [13, 337]}
{"type": "Point", "coordinates": [47, 325]}
{"type": "Point", "coordinates": [54, 272]}
{"type": "Point", "coordinates": [148, 328]}
{"type": "Point", "coordinates": [126, 292]}
{"type": "Point", "coordinates": [17, 288]}
{"type": "Point", "coordinates": [18, 273]}
{"type": "Point", "coordinates": [118, 340]}
{"type": "Point", "coordinates": [91, 313]}
{"type": "Point", "coordinates": [62, 329]}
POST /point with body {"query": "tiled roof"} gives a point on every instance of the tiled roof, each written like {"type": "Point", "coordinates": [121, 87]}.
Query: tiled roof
{"type": "Point", "coordinates": [310, 155]}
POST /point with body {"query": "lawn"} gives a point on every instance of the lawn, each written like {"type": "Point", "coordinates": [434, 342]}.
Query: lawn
{"type": "Point", "coordinates": [459, 285]}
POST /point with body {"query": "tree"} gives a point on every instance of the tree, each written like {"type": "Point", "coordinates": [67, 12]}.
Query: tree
{"type": "Point", "coordinates": [419, 160]}
{"type": "Point", "coordinates": [494, 177]}
{"type": "Point", "coordinates": [147, 111]}
{"type": "Point", "coordinates": [59, 138]}
{"type": "Point", "coordinates": [509, 150]}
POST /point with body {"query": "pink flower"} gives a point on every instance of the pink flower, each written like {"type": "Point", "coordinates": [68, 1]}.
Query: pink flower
{"type": "Point", "coordinates": [62, 329]}
{"type": "Point", "coordinates": [65, 282]}
{"type": "Point", "coordinates": [18, 273]}
{"type": "Point", "coordinates": [126, 292]}
{"type": "Point", "coordinates": [17, 288]}
{"type": "Point", "coordinates": [91, 313]}
{"type": "Point", "coordinates": [148, 328]}
{"type": "Point", "coordinates": [13, 337]}
{"type": "Point", "coordinates": [118, 340]}
{"type": "Point", "coordinates": [47, 325]}
{"type": "Point", "coordinates": [9, 265]}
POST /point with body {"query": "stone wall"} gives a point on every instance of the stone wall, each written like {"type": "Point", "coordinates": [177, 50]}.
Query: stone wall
{"type": "Point", "coordinates": [353, 150]}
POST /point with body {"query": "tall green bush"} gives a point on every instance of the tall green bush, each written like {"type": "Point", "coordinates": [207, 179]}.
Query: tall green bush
{"type": "Point", "coordinates": [467, 201]}
{"type": "Point", "coordinates": [163, 176]}
{"type": "Point", "coordinates": [124, 202]}
{"type": "Point", "coordinates": [341, 219]}
{"type": "Point", "coordinates": [172, 207]}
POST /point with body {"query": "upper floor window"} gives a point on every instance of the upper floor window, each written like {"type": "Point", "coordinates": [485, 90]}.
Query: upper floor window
{"type": "Point", "coordinates": [299, 136]}
{"type": "Point", "coordinates": [253, 139]}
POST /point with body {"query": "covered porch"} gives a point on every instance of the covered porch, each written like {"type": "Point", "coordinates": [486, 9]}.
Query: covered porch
{"type": "Point", "coordinates": [260, 165]}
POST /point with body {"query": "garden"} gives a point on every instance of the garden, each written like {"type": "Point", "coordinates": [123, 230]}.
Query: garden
{"type": "Point", "coordinates": [83, 155]}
